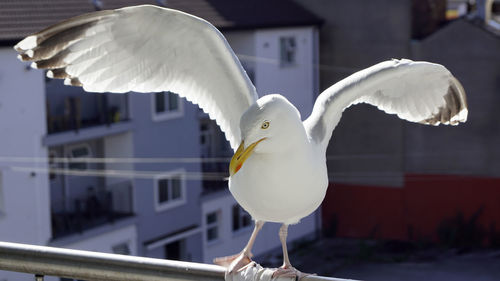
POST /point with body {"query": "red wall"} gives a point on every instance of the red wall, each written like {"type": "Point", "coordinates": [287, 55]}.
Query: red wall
{"type": "Point", "coordinates": [411, 212]}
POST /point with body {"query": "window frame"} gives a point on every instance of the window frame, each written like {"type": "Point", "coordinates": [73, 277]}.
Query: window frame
{"type": "Point", "coordinates": [69, 154]}
{"type": "Point", "coordinates": [286, 39]}
{"type": "Point", "coordinates": [118, 247]}
{"type": "Point", "coordinates": [168, 113]}
{"type": "Point", "coordinates": [216, 225]}
{"type": "Point", "coordinates": [170, 203]}
{"type": "Point", "coordinates": [242, 214]}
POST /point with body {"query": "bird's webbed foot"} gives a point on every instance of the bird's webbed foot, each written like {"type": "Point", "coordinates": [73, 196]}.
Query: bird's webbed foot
{"type": "Point", "coordinates": [234, 263]}
{"type": "Point", "coordinates": [289, 271]}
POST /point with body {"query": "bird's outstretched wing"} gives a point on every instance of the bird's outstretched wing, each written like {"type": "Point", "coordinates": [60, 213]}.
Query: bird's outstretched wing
{"type": "Point", "coordinates": [420, 92]}
{"type": "Point", "coordinates": [147, 49]}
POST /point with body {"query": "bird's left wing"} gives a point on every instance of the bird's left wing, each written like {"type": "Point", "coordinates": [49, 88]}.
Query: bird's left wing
{"type": "Point", "coordinates": [147, 49]}
{"type": "Point", "coordinates": [419, 92]}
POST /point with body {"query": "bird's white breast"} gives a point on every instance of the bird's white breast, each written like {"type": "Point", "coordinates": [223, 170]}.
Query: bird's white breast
{"type": "Point", "coordinates": [283, 187]}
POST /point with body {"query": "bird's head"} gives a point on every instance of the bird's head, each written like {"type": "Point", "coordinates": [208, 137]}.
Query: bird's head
{"type": "Point", "coordinates": [266, 127]}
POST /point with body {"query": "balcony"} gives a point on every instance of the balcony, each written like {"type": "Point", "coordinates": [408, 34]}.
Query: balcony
{"type": "Point", "coordinates": [93, 209]}
{"type": "Point", "coordinates": [76, 112]}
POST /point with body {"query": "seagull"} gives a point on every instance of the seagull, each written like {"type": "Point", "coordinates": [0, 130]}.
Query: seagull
{"type": "Point", "coordinates": [278, 172]}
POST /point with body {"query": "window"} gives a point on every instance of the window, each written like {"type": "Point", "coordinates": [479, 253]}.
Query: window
{"type": "Point", "coordinates": [212, 223]}
{"type": "Point", "coordinates": [78, 151]}
{"type": "Point", "coordinates": [166, 105]}
{"type": "Point", "coordinates": [176, 250]}
{"type": "Point", "coordinates": [287, 51]}
{"type": "Point", "coordinates": [241, 219]}
{"type": "Point", "coordinates": [53, 164]}
{"type": "Point", "coordinates": [121, 249]}
{"type": "Point", "coordinates": [169, 191]}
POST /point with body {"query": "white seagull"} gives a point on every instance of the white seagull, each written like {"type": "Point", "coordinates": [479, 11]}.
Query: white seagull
{"type": "Point", "coordinates": [278, 172]}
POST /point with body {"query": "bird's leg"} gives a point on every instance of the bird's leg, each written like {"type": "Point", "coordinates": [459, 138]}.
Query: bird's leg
{"type": "Point", "coordinates": [283, 234]}
{"type": "Point", "coordinates": [238, 261]}
{"type": "Point", "coordinates": [286, 270]}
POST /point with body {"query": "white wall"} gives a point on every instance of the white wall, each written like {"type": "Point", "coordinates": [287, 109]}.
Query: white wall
{"type": "Point", "coordinates": [118, 146]}
{"type": "Point", "coordinates": [26, 213]}
{"type": "Point", "coordinates": [104, 243]}
{"type": "Point", "coordinates": [24, 210]}
{"type": "Point", "coordinates": [230, 242]}
{"type": "Point", "coordinates": [298, 83]}
{"type": "Point", "coordinates": [259, 51]}
{"type": "Point", "coordinates": [243, 44]}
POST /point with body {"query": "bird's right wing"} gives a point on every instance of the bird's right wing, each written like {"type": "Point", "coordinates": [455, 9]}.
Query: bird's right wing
{"type": "Point", "coordinates": [419, 92]}
{"type": "Point", "coordinates": [147, 49]}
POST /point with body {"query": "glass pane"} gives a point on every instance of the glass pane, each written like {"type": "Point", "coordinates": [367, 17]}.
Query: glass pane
{"type": "Point", "coordinates": [173, 101]}
{"type": "Point", "coordinates": [287, 51]}
{"type": "Point", "coordinates": [212, 233]}
{"type": "Point", "coordinates": [246, 220]}
{"type": "Point", "coordinates": [236, 217]}
{"type": "Point", "coordinates": [82, 151]}
{"type": "Point", "coordinates": [163, 190]}
{"type": "Point", "coordinates": [122, 249]}
{"type": "Point", "coordinates": [211, 217]}
{"type": "Point", "coordinates": [159, 102]}
{"type": "Point", "coordinates": [176, 188]}
{"type": "Point", "coordinates": [282, 50]}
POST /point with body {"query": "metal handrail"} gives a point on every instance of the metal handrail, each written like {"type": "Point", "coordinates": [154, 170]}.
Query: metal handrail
{"type": "Point", "coordinates": [86, 265]}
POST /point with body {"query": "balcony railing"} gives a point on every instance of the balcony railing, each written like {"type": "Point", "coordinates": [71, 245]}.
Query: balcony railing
{"type": "Point", "coordinates": [84, 265]}
{"type": "Point", "coordinates": [78, 112]}
{"type": "Point", "coordinates": [93, 210]}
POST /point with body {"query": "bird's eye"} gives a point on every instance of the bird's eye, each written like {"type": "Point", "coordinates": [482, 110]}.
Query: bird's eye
{"type": "Point", "coordinates": [265, 125]}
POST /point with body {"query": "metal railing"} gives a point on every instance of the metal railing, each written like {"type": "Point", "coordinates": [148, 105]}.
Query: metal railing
{"type": "Point", "coordinates": [84, 265]}
{"type": "Point", "coordinates": [94, 209]}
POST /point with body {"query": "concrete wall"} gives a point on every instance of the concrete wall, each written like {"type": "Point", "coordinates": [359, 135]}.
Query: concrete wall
{"type": "Point", "coordinates": [444, 171]}
{"type": "Point", "coordinates": [472, 54]}
{"type": "Point", "coordinates": [355, 35]}
{"type": "Point", "coordinates": [22, 111]}
{"type": "Point", "coordinates": [429, 208]}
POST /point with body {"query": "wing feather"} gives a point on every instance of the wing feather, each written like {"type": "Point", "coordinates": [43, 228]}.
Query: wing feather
{"type": "Point", "coordinates": [147, 49]}
{"type": "Point", "coordinates": [419, 92]}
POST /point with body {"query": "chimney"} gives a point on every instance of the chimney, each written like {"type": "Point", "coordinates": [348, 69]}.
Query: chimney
{"type": "Point", "coordinates": [483, 9]}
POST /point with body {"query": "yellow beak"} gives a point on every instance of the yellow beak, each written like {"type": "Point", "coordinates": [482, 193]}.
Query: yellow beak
{"type": "Point", "coordinates": [241, 155]}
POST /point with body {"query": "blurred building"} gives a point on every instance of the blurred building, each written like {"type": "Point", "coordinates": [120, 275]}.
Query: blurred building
{"type": "Point", "coordinates": [76, 168]}
{"type": "Point", "coordinates": [392, 179]}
